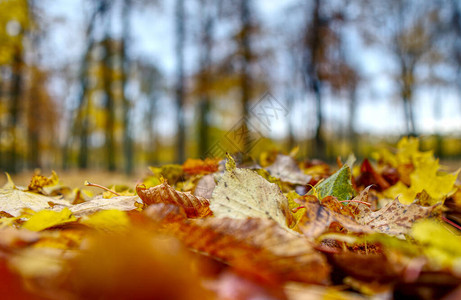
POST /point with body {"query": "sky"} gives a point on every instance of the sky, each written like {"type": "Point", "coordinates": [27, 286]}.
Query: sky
{"type": "Point", "coordinates": [380, 112]}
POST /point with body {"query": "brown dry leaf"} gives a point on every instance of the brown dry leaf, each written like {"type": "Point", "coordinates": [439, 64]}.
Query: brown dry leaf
{"type": "Point", "coordinates": [368, 176]}
{"type": "Point", "coordinates": [286, 168]}
{"type": "Point", "coordinates": [395, 218]}
{"type": "Point", "coordinates": [195, 207]}
{"type": "Point", "coordinates": [257, 246]}
{"type": "Point", "coordinates": [319, 218]}
{"type": "Point", "coordinates": [13, 200]}
{"type": "Point", "coordinates": [242, 193]}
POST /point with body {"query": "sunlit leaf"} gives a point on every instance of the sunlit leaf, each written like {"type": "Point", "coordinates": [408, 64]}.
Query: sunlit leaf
{"type": "Point", "coordinates": [48, 218]}
{"type": "Point", "coordinates": [13, 200]}
{"type": "Point", "coordinates": [242, 193]}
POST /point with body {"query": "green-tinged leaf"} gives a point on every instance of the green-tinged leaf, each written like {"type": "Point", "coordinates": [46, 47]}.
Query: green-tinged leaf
{"type": "Point", "coordinates": [47, 218]}
{"type": "Point", "coordinates": [337, 185]}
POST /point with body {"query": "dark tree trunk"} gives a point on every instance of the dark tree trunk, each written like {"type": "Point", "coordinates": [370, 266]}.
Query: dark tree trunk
{"type": "Point", "coordinates": [245, 73]}
{"type": "Point", "coordinates": [352, 116]}
{"type": "Point", "coordinates": [312, 60]}
{"type": "Point", "coordinates": [180, 43]}
{"type": "Point", "coordinates": [80, 126]}
{"type": "Point", "coordinates": [15, 103]}
{"type": "Point", "coordinates": [109, 105]}
{"type": "Point", "coordinates": [205, 75]}
{"type": "Point", "coordinates": [128, 148]}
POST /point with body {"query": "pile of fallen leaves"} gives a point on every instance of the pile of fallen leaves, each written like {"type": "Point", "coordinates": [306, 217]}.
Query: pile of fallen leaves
{"type": "Point", "coordinates": [240, 229]}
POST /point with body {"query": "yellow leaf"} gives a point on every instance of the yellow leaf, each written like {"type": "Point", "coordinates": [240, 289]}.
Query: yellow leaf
{"type": "Point", "coordinates": [48, 218]}
{"type": "Point", "coordinates": [291, 196]}
{"type": "Point", "coordinates": [108, 220]}
{"type": "Point", "coordinates": [441, 247]}
{"type": "Point", "coordinates": [38, 182]}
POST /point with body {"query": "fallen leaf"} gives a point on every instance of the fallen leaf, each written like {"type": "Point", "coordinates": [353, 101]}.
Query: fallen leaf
{"type": "Point", "coordinates": [369, 176]}
{"type": "Point", "coordinates": [258, 246]}
{"type": "Point", "coordinates": [38, 182]}
{"type": "Point", "coordinates": [242, 193]}
{"type": "Point", "coordinates": [205, 187]}
{"type": "Point", "coordinates": [137, 265]}
{"type": "Point", "coordinates": [47, 218]}
{"type": "Point", "coordinates": [200, 167]}
{"type": "Point", "coordinates": [123, 203]}
{"type": "Point", "coordinates": [286, 168]}
{"type": "Point", "coordinates": [318, 219]}
{"type": "Point", "coordinates": [13, 200]}
{"type": "Point", "coordinates": [195, 207]}
{"type": "Point", "coordinates": [395, 218]}
{"type": "Point", "coordinates": [107, 220]}
{"type": "Point", "coordinates": [441, 247]}
{"type": "Point", "coordinates": [337, 185]}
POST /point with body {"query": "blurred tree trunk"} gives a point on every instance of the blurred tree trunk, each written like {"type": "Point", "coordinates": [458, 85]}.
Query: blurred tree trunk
{"type": "Point", "coordinates": [17, 69]}
{"type": "Point", "coordinates": [80, 124]}
{"type": "Point", "coordinates": [107, 76]}
{"type": "Point", "coordinates": [33, 130]}
{"type": "Point", "coordinates": [206, 45]}
{"type": "Point", "coordinates": [179, 91]}
{"type": "Point", "coordinates": [128, 148]}
{"type": "Point", "coordinates": [245, 73]}
{"type": "Point", "coordinates": [353, 138]}
{"type": "Point", "coordinates": [313, 48]}
{"type": "Point", "coordinates": [36, 82]}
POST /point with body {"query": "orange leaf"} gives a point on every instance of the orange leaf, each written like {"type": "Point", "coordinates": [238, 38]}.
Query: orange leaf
{"type": "Point", "coordinates": [202, 167]}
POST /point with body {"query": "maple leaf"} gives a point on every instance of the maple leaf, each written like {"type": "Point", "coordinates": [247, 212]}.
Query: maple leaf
{"type": "Point", "coordinates": [318, 219]}
{"type": "Point", "coordinates": [286, 168]}
{"type": "Point", "coordinates": [395, 218]}
{"type": "Point", "coordinates": [338, 185]}
{"type": "Point", "coordinates": [242, 193]}
{"type": "Point", "coordinates": [13, 200]}
{"type": "Point", "coordinates": [195, 207]}
{"type": "Point", "coordinates": [425, 176]}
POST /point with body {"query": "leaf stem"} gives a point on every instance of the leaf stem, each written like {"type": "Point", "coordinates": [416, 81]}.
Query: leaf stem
{"type": "Point", "coordinates": [451, 223]}
{"type": "Point", "coordinates": [87, 183]}
{"type": "Point", "coordinates": [294, 210]}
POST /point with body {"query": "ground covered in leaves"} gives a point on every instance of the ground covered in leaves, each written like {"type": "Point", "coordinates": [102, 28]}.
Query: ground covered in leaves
{"type": "Point", "coordinates": [276, 228]}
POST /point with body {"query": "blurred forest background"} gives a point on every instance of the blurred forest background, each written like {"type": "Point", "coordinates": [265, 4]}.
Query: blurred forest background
{"type": "Point", "coordinates": [122, 84]}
